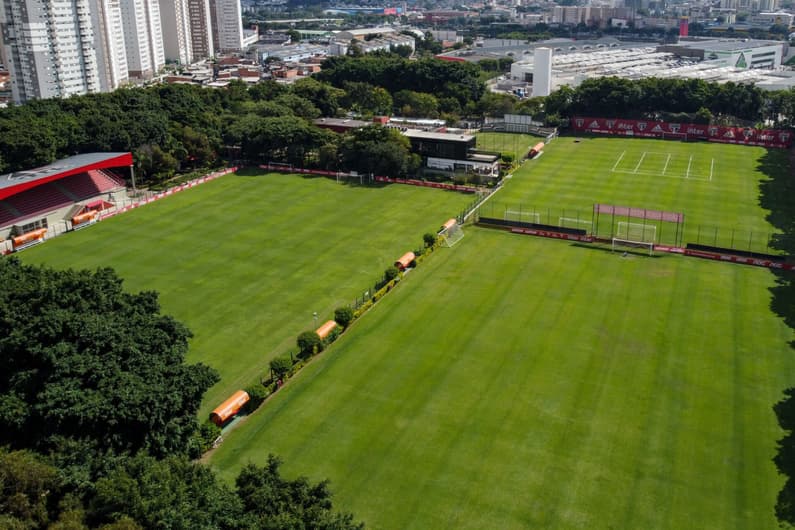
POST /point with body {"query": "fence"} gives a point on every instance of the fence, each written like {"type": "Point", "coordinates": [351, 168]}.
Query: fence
{"type": "Point", "coordinates": [662, 233]}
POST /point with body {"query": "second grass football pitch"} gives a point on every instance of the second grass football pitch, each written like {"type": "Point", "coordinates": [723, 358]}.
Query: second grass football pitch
{"type": "Point", "coordinates": [514, 382]}
{"type": "Point", "coordinates": [722, 190]}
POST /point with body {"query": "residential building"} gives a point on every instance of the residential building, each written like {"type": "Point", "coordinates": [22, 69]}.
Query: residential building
{"type": "Point", "coordinates": [201, 29]}
{"type": "Point", "coordinates": [143, 36]}
{"type": "Point", "coordinates": [61, 48]}
{"type": "Point", "coordinates": [227, 25]}
{"type": "Point", "coordinates": [175, 21]}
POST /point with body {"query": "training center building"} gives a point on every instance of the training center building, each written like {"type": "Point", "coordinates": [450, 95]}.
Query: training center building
{"type": "Point", "coordinates": [65, 195]}
{"type": "Point", "coordinates": [453, 152]}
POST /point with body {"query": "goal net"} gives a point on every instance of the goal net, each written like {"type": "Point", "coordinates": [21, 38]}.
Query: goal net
{"type": "Point", "coordinates": [633, 244]}
{"type": "Point", "coordinates": [642, 232]}
{"type": "Point", "coordinates": [452, 234]}
{"type": "Point", "coordinates": [575, 222]}
{"type": "Point", "coordinates": [525, 217]}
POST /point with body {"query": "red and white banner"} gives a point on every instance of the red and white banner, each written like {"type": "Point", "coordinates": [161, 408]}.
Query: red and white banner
{"type": "Point", "coordinates": [553, 235]}
{"type": "Point", "coordinates": [713, 133]}
{"type": "Point", "coordinates": [170, 191]}
{"type": "Point", "coordinates": [438, 185]}
{"type": "Point", "coordinates": [740, 259]}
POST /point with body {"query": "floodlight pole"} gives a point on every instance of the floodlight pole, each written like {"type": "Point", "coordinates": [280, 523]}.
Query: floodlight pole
{"type": "Point", "coordinates": [132, 174]}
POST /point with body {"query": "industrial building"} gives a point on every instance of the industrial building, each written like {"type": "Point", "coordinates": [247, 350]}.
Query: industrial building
{"type": "Point", "coordinates": [736, 60]}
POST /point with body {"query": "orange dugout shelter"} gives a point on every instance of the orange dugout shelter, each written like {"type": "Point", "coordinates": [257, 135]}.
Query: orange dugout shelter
{"type": "Point", "coordinates": [229, 408]}
{"type": "Point", "coordinates": [326, 329]}
{"type": "Point", "coordinates": [405, 260]}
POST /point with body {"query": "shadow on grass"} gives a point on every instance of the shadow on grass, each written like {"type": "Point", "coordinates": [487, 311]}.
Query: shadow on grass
{"type": "Point", "coordinates": [619, 252]}
{"type": "Point", "coordinates": [777, 194]}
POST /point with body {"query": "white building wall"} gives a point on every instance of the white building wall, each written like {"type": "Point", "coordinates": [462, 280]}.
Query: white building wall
{"type": "Point", "coordinates": [201, 31]}
{"type": "Point", "coordinates": [51, 48]}
{"type": "Point", "coordinates": [112, 61]}
{"type": "Point", "coordinates": [542, 72]}
{"type": "Point", "coordinates": [175, 20]}
{"type": "Point", "coordinates": [143, 37]}
{"type": "Point", "coordinates": [228, 27]}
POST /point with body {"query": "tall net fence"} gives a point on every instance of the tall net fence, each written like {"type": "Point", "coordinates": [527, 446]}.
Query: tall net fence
{"type": "Point", "coordinates": [648, 230]}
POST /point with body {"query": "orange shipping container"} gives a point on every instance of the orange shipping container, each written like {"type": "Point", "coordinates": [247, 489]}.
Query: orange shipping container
{"type": "Point", "coordinates": [229, 408]}
{"type": "Point", "coordinates": [326, 329]}
{"type": "Point", "coordinates": [405, 260]}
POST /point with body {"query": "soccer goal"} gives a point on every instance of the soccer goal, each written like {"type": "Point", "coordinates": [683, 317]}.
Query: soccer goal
{"type": "Point", "coordinates": [452, 233]}
{"type": "Point", "coordinates": [617, 242]}
{"type": "Point", "coordinates": [574, 222]}
{"type": "Point", "coordinates": [642, 232]}
{"type": "Point", "coordinates": [525, 217]}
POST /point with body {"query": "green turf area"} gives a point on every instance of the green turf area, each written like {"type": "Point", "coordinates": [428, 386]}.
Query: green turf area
{"type": "Point", "coordinates": [244, 261]}
{"type": "Point", "coordinates": [514, 382]}
{"type": "Point", "coordinates": [716, 186]}
{"type": "Point", "coordinates": [507, 143]}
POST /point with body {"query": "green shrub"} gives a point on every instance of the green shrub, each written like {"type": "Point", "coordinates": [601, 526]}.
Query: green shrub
{"type": "Point", "coordinates": [429, 239]}
{"type": "Point", "coordinates": [309, 343]}
{"type": "Point", "coordinates": [391, 273]}
{"type": "Point", "coordinates": [281, 366]}
{"type": "Point", "coordinates": [257, 394]}
{"type": "Point", "coordinates": [202, 439]}
{"type": "Point", "coordinates": [362, 309]}
{"type": "Point", "coordinates": [343, 316]}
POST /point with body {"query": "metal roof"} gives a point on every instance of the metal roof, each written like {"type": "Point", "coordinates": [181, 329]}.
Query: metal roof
{"type": "Point", "coordinates": [19, 181]}
{"type": "Point", "coordinates": [412, 133]}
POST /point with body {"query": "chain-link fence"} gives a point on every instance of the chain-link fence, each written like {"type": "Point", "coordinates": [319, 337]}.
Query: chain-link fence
{"type": "Point", "coordinates": [659, 232]}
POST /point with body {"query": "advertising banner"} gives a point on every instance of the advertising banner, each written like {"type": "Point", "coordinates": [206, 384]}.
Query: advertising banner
{"type": "Point", "coordinates": [684, 131]}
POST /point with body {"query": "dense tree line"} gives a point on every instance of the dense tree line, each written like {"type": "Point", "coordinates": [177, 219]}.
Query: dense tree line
{"type": "Point", "coordinates": [98, 418]}
{"type": "Point", "coordinates": [652, 98]}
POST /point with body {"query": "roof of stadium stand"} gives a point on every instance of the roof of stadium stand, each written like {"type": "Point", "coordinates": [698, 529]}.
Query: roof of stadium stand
{"type": "Point", "coordinates": [19, 181]}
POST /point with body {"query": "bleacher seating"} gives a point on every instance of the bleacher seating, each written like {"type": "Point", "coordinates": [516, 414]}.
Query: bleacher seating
{"type": "Point", "coordinates": [86, 185]}
{"type": "Point", "coordinates": [6, 215]}
{"type": "Point", "coordinates": [41, 199]}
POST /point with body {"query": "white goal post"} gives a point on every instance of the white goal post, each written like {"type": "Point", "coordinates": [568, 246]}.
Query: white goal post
{"type": "Point", "coordinates": [642, 232]}
{"type": "Point", "coordinates": [451, 233]}
{"type": "Point", "coordinates": [632, 244]}
{"type": "Point", "coordinates": [519, 215]}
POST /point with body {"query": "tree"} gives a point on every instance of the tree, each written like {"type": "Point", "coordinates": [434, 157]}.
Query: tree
{"type": "Point", "coordinates": [366, 98]}
{"type": "Point", "coordinates": [309, 342]}
{"type": "Point", "coordinates": [391, 273]}
{"type": "Point", "coordinates": [270, 501]}
{"type": "Point", "coordinates": [429, 239]}
{"type": "Point", "coordinates": [30, 490]}
{"type": "Point", "coordinates": [785, 457]}
{"type": "Point", "coordinates": [170, 493]}
{"type": "Point", "coordinates": [281, 366]}
{"type": "Point", "coordinates": [343, 316]}
{"type": "Point", "coordinates": [295, 37]}
{"type": "Point", "coordinates": [377, 150]}
{"type": "Point", "coordinates": [90, 368]}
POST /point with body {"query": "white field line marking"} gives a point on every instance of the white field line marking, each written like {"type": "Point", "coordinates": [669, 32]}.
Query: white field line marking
{"type": "Point", "coordinates": [658, 174]}
{"type": "Point", "coordinates": [666, 163]}
{"type": "Point", "coordinates": [687, 175]}
{"type": "Point", "coordinates": [619, 160]}
{"type": "Point", "coordinates": [640, 161]}
{"type": "Point", "coordinates": [711, 167]}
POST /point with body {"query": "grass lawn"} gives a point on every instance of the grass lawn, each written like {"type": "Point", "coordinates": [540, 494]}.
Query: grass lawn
{"type": "Point", "coordinates": [507, 143]}
{"type": "Point", "coordinates": [244, 261]}
{"type": "Point", "coordinates": [716, 186]}
{"type": "Point", "coordinates": [514, 382]}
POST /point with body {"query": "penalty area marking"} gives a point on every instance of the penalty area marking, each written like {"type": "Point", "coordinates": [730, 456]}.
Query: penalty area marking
{"type": "Point", "coordinates": [689, 162]}
{"type": "Point", "coordinates": [665, 168]}
{"type": "Point", "coordinates": [640, 162]}
{"type": "Point", "coordinates": [619, 160]}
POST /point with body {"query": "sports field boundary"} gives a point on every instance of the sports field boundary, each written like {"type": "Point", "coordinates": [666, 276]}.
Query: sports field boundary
{"type": "Point", "coordinates": [551, 232]}
{"type": "Point", "coordinates": [141, 202]}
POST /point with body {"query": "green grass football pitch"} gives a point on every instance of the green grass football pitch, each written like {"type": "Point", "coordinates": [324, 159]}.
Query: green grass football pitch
{"type": "Point", "coordinates": [514, 382]}
{"type": "Point", "coordinates": [244, 261]}
{"type": "Point", "coordinates": [507, 143]}
{"type": "Point", "coordinates": [716, 186]}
